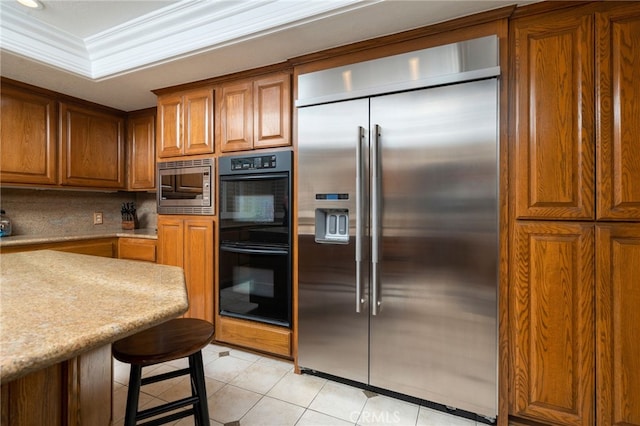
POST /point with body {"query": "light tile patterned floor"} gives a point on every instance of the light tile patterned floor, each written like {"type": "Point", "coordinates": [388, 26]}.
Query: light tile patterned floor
{"type": "Point", "coordinates": [246, 389]}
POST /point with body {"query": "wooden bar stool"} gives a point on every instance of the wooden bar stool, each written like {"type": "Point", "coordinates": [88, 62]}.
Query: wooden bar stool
{"type": "Point", "coordinates": [174, 339]}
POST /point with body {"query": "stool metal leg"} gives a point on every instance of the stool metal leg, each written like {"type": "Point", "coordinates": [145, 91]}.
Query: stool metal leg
{"type": "Point", "coordinates": [132, 395]}
{"type": "Point", "coordinates": [198, 385]}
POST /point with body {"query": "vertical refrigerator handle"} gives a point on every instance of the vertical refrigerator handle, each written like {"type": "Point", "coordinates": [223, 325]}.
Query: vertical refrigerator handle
{"type": "Point", "coordinates": [375, 221]}
{"type": "Point", "coordinates": [359, 218]}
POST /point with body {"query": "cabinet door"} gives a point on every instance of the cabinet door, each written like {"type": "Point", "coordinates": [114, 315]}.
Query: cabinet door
{"type": "Point", "coordinates": [272, 111]}
{"type": "Point", "coordinates": [198, 122]}
{"type": "Point", "coordinates": [170, 241]}
{"type": "Point", "coordinates": [553, 107]}
{"type": "Point", "coordinates": [141, 149]}
{"type": "Point", "coordinates": [169, 126]}
{"type": "Point", "coordinates": [92, 148]}
{"type": "Point", "coordinates": [28, 138]}
{"type": "Point", "coordinates": [198, 267]}
{"type": "Point", "coordinates": [618, 131]}
{"type": "Point", "coordinates": [552, 322]}
{"type": "Point", "coordinates": [618, 329]}
{"type": "Point", "coordinates": [236, 117]}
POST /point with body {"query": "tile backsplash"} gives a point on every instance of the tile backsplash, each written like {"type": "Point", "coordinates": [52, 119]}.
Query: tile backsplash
{"type": "Point", "coordinates": [61, 212]}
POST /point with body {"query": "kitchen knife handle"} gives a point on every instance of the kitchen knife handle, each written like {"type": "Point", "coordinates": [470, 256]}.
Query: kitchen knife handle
{"type": "Point", "coordinates": [375, 221]}
{"type": "Point", "coordinates": [359, 220]}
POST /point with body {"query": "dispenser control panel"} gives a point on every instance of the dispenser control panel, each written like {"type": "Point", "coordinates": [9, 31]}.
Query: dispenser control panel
{"type": "Point", "coordinates": [332, 226]}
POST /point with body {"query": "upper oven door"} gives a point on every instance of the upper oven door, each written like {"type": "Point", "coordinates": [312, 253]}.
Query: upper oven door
{"type": "Point", "coordinates": [254, 208]}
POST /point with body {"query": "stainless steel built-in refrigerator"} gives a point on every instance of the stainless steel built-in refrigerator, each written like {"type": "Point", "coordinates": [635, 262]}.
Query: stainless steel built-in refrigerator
{"type": "Point", "coordinates": [398, 225]}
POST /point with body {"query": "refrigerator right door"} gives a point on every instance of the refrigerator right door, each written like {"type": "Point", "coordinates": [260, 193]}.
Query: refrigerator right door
{"type": "Point", "coordinates": [434, 335]}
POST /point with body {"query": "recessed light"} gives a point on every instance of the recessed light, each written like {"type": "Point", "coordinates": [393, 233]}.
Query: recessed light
{"type": "Point", "coordinates": [32, 4]}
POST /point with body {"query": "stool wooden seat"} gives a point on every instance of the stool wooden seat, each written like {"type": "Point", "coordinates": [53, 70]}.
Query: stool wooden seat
{"type": "Point", "coordinates": [174, 339]}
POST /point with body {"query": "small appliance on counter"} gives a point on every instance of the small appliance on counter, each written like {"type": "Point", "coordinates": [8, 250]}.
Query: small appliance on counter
{"type": "Point", "coordinates": [5, 224]}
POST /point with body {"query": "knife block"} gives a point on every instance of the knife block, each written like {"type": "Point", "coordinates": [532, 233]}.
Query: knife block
{"type": "Point", "coordinates": [128, 224]}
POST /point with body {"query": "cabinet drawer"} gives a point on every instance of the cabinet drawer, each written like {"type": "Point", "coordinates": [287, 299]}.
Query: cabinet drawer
{"type": "Point", "coordinates": [253, 335]}
{"type": "Point", "coordinates": [137, 249]}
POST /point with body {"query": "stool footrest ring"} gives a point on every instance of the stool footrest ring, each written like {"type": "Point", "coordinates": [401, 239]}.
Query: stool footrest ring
{"type": "Point", "coordinates": [164, 376]}
{"type": "Point", "coordinates": [169, 418]}
{"type": "Point", "coordinates": [169, 406]}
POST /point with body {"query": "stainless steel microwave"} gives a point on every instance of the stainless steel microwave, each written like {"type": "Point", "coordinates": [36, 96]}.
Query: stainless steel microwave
{"type": "Point", "coordinates": [186, 187]}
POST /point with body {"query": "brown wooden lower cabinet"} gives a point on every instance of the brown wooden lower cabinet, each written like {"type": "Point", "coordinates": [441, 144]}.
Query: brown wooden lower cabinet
{"type": "Point", "coordinates": [618, 324]}
{"type": "Point", "coordinates": [74, 393]}
{"type": "Point", "coordinates": [574, 324]}
{"type": "Point", "coordinates": [187, 241]}
{"type": "Point", "coordinates": [552, 323]}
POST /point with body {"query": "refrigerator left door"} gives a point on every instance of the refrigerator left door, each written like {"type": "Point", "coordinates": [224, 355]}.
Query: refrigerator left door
{"type": "Point", "coordinates": [333, 338]}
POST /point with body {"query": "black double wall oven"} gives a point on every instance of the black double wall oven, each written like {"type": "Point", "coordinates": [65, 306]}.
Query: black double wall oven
{"type": "Point", "coordinates": [255, 237]}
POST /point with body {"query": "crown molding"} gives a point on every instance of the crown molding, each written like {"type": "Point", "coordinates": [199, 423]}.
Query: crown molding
{"type": "Point", "coordinates": [24, 36]}
{"type": "Point", "coordinates": [179, 30]}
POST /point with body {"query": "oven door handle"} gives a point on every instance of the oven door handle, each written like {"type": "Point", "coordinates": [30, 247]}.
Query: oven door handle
{"type": "Point", "coordinates": [275, 252]}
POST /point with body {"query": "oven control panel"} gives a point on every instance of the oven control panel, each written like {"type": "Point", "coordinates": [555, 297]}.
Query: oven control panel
{"type": "Point", "coordinates": [254, 163]}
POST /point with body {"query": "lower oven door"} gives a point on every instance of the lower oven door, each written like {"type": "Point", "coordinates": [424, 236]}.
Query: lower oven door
{"type": "Point", "coordinates": [255, 282]}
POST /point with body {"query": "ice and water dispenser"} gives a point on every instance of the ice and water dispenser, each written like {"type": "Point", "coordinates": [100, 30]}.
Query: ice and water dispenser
{"type": "Point", "coordinates": [332, 225]}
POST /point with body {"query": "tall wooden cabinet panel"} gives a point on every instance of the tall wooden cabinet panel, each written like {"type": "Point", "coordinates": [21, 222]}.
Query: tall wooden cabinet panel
{"type": "Point", "coordinates": [93, 147]}
{"type": "Point", "coordinates": [236, 117]}
{"type": "Point", "coordinates": [169, 126]}
{"type": "Point", "coordinates": [198, 121]}
{"type": "Point", "coordinates": [618, 129]}
{"type": "Point", "coordinates": [187, 241]}
{"type": "Point", "coordinates": [255, 113]}
{"type": "Point", "coordinates": [185, 123]}
{"type": "Point", "coordinates": [28, 140]}
{"type": "Point", "coordinates": [141, 151]}
{"type": "Point", "coordinates": [554, 109]}
{"type": "Point", "coordinates": [551, 322]}
{"type": "Point", "coordinates": [272, 103]}
{"type": "Point", "coordinates": [618, 322]}
{"type": "Point", "coordinates": [198, 267]}
{"type": "Point", "coordinates": [170, 240]}
{"type": "Point", "coordinates": [576, 74]}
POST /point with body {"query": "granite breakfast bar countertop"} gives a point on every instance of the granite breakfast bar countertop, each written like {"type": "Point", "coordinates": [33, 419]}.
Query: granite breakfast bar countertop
{"type": "Point", "coordinates": [56, 305]}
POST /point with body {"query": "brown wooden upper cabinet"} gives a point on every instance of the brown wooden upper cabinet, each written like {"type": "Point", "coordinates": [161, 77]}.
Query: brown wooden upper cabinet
{"type": "Point", "coordinates": [185, 123]}
{"type": "Point", "coordinates": [28, 140]}
{"type": "Point", "coordinates": [255, 113]}
{"type": "Point", "coordinates": [574, 127]}
{"type": "Point", "coordinates": [618, 97]}
{"type": "Point", "coordinates": [141, 154]}
{"type": "Point", "coordinates": [93, 147]}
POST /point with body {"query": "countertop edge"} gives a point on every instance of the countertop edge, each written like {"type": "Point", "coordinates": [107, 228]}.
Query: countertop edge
{"type": "Point", "coordinates": [23, 240]}
{"type": "Point", "coordinates": [33, 366]}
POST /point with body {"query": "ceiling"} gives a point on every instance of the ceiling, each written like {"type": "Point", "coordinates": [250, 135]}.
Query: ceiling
{"type": "Point", "coordinates": [116, 52]}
